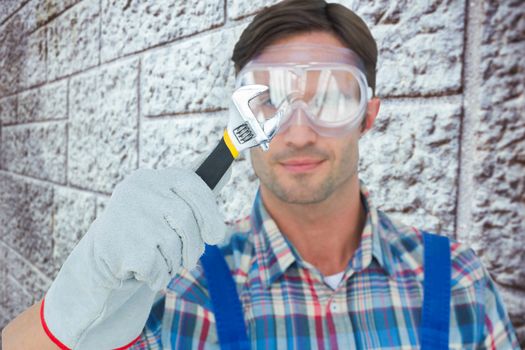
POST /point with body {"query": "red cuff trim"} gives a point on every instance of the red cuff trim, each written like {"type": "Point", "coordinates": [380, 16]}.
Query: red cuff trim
{"type": "Point", "coordinates": [60, 344]}
{"type": "Point", "coordinates": [129, 345]}
{"type": "Point", "coordinates": [48, 332]}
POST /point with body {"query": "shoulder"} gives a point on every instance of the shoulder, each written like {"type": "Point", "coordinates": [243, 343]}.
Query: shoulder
{"type": "Point", "coordinates": [405, 245]}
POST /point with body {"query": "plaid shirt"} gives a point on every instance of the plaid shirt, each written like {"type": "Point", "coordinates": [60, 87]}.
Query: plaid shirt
{"type": "Point", "coordinates": [377, 305]}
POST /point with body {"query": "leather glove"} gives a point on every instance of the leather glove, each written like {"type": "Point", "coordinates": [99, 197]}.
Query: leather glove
{"type": "Point", "coordinates": [156, 221]}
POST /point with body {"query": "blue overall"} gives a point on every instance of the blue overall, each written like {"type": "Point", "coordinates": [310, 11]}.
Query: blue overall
{"type": "Point", "coordinates": [434, 329]}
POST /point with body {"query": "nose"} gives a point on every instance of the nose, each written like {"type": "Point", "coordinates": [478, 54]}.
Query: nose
{"type": "Point", "coordinates": [298, 132]}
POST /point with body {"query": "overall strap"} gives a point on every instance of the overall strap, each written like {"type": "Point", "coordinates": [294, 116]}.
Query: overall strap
{"type": "Point", "coordinates": [434, 330]}
{"type": "Point", "coordinates": [226, 304]}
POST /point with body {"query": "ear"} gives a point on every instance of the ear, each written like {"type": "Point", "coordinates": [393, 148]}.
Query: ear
{"type": "Point", "coordinates": [371, 113]}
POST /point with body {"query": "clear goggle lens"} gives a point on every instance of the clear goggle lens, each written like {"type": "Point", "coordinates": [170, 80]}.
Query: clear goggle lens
{"type": "Point", "coordinates": [333, 98]}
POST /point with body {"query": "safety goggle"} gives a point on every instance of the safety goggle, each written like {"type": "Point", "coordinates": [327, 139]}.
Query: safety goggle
{"type": "Point", "coordinates": [319, 86]}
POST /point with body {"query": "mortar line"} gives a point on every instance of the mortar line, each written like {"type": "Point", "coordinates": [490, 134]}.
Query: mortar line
{"type": "Point", "coordinates": [225, 13]}
{"type": "Point", "coordinates": [42, 24]}
{"type": "Point", "coordinates": [99, 32]}
{"type": "Point", "coordinates": [5, 20]}
{"type": "Point", "coordinates": [35, 86]}
{"type": "Point", "coordinates": [24, 260]}
{"type": "Point", "coordinates": [44, 182]}
{"type": "Point", "coordinates": [471, 81]}
{"type": "Point", "coordinates": [169, 43]}
{"type": "Point", "coordinates": [56, 15]}
{"type": "Point", "coordinates": [140, 55]}
{"type": "Point", "coordinates": [176, 115]}
{"type": "Point", "coordinates": [20, 286]}
{"type": "Point", "coordinates": [450, 99]}
{"type": "Point", "coordinates": [184, 116]}
{"type": "Point", "coordinates": [37, 122]}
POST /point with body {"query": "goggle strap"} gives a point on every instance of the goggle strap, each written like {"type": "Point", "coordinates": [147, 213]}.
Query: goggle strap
{"type": "Point", "coordinates": [370, 93]}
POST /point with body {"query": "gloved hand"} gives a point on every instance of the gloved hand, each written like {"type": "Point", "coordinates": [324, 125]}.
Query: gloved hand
{"type": "Point", "coordinates": [156, 221]}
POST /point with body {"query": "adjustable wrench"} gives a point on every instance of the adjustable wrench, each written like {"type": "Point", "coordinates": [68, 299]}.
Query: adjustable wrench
{"type": "Point", "coordinates": [243, 132]}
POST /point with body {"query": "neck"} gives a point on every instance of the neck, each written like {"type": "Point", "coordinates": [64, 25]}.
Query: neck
{"type": "Point", "coordinates": [326, 234]}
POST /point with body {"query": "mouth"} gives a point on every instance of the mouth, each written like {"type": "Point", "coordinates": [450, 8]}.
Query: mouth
{"type": "Point", "coordinates": [301, 165]}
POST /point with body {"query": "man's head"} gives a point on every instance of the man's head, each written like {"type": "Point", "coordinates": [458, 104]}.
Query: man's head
{"type": "Point", "coordinates": [303, 166]}
{"type": "Point", "coordinates": [299, 16]}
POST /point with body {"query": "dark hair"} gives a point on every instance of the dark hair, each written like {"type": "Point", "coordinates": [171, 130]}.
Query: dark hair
{"type": "Point", "coordinates": [299, 16]}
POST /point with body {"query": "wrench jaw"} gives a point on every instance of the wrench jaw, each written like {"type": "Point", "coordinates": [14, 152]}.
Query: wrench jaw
{"type": "Point", "coordinates": [243, 128]}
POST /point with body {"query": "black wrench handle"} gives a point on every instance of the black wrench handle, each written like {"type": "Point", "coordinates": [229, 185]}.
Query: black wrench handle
{"type": "Point", "coordinates": [216, 164]}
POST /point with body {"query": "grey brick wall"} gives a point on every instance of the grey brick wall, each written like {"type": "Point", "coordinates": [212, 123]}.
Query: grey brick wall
{"type": "Point", "coordinates": [92, 89]}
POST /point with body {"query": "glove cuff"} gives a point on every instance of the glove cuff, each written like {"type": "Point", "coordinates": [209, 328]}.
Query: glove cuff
{"type": "Point", "coordinates": [48, 332]}
{"type": "Point", "coordinates": [59, 343]}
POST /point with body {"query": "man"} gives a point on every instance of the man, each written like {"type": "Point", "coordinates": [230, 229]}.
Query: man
{"type": "Point", "coordinates": [314, 266]}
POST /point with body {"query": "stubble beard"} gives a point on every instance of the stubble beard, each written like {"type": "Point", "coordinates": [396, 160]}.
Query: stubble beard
{"type": "Point", "coordinates": [302, 191]}
{"type": "Point", "coordinates": [307, 189]}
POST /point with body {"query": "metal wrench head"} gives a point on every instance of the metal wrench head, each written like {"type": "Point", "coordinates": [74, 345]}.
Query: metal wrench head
{"type": "Point", "coordinates": [261, 133]}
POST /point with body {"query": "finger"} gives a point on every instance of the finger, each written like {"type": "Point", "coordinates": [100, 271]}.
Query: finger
{"type": "Point", "coordinates": [205, 211]}
{"type": "Point", "coordinates": [171, 248]}
{"type": "Point", "coordinates": [156, 272]}
{"type": "Point", "coordinates": [192, 243]}
{"type": "Point", "coordinates": [189, 187]}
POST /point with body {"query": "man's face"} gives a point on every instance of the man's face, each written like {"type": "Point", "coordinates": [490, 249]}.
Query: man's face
{"type": "Point", "coordinates": [301, 166]}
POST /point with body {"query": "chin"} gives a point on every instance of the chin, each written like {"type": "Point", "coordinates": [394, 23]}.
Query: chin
{"type": "Point", "coordinates": [304, 195]}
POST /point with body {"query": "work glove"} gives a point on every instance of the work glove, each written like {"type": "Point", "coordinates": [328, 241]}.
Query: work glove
{"type": "Point", "coordinates": [156, 222]}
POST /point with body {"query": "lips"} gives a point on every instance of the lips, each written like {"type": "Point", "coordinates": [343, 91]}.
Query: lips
{"type": "Point", "coordinates": [299, 165]}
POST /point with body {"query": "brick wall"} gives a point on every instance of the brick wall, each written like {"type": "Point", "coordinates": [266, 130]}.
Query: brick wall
{"type": "Point", "coordinates": [92, 89]}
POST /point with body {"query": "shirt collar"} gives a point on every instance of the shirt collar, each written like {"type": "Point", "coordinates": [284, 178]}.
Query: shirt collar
{"type": "Point", "coordinates": [275, 254]}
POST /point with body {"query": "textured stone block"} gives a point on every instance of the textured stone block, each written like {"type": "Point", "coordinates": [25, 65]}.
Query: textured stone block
{"type": "Point", "coordinates": [3, 275]}
{"type": "Point", "coordinates": [73, 40]}
{"type": "Point", "coordinates": [196, 75]}
{"type": "Point", "coordinates": [515, 302]}
{"type": "Point", "coordinates": [23, 51]}
{"type": "Point", "coordinates": [35, 150]}
{"type": "Point", "coordinates": [136, 25]}
{"type": "Point", "coordinates": [498, 202]}
{"type": "Point", "coordinates": [73, 213]}
{"type": "Point", "coordinates": [11, 52]}
{"type": "Point", "coordinates": [103, 126]}
{"type": "Point", "coordinates": [186, 141]}
{"type": "Point", "coordinates": [25, 220]}
{"type": "Point", "coordinates": [102, 202]}
{"type": "Point", "coordinates": [48, 9]}
{"type": "Point", "coordinates": [8, 107]}
{"type": "Point", "coordinates": [409, 161]}
{"type": "Point", "coordinates": [9, 7]}
{"type": "Point", "coordinates": [179, 141]}
{"type": "Point", "coordinates": [29, 19]}
{"type": "Point", "coordinates": [48, 102]}
{"type": "Point", "coordinates": [22, 48]}
{"type": "Point", "coordinates": [3, 320]}
{"type": "Point", "coordinates": [415, 60]}
{"type": "Point", "coordinates": [32, 280]}
{"type": "Point", "coordinates": [239, 8]}
{"type": "Point", "coordinates": [33, 62]}
{"type": "Point", "coordinates": [35, 13]}
{"type": "Point", "coordinates": [19, 299]}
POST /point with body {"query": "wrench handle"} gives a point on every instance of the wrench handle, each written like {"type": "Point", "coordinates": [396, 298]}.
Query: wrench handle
{"type": "Point", "coordinates": [217, 163]}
